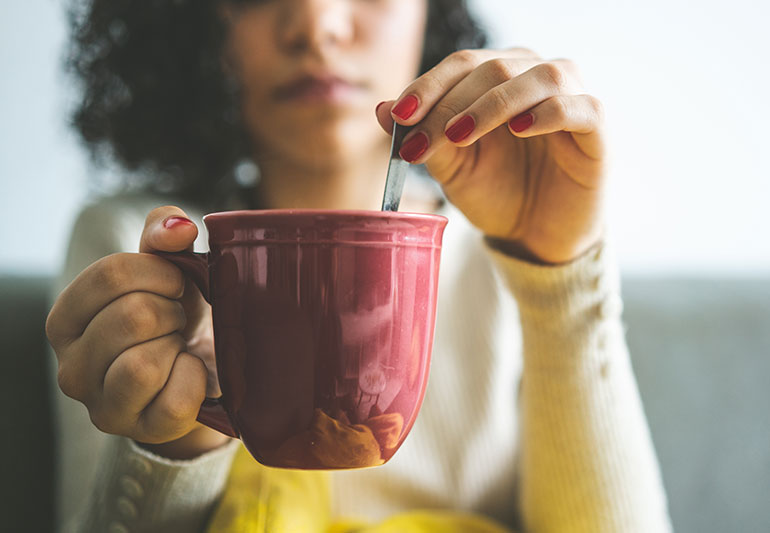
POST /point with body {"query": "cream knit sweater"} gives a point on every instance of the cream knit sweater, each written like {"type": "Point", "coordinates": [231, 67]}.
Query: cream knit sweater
{"type": "Point", "coordinates": [532, 415]}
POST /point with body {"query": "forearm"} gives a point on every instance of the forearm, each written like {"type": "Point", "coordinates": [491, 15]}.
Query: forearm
{"type": "Point", "coordinates": [587, 460]}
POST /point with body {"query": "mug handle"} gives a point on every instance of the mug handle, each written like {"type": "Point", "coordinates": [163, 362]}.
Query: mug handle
{"type": "Point", "coordinates": [195, 266]}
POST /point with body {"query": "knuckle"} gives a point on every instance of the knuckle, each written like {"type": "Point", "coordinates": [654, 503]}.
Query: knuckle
{"type": "Point", "coordinates": [571, 70]}
{"type": "Point", "coordinates": [51, 329]}
{"type": "Point", "coordinates": [170, 316]}
{"type": "Point", "coordinates": [567, 64]}
{"type": "Point", "coordinates": [141, 370]}
{"type": "Point", "coordinates": [464, 58]}
{"type": "Point", "coordinates": [553, 74]}
{"type": "Point", "coordinates": [498, 69]}
{"type": "Point", "coordinates": [171, 414]}
{"type": "Point", "coordinates": [140, 314]}
{"type": "Point", "coordinates": [430, 83]}
{"type": "Point", "coordinates": [103, 421]}
{"type": "Point", "coordinates": [68, 382]}
{"type": "Point", "coordinates": [112, 272]}
{"type": "Point", "coordinates": [597, 106]}
{"type": "Point", "coordinates": [177, 283]}
{"type": "Point", "coordinates": [179, 411]}
{"type": "Point", "coordinates": [168, 276]}
{"type": "Point", "coordinates": [497, 101]}
{"type": "Point", "coordinates": [559, 108]}
{"type": "Point", "coordinates": [523, 51]}
{"type": "Point", "coordinates": [199, 368]}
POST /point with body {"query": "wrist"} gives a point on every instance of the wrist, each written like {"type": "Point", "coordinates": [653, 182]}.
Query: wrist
{"type": "Point", "coordinates": [197, 442]}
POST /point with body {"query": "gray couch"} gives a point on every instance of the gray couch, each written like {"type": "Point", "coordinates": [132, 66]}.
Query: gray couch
{"type": "Point", "coordinates": [701, 350]}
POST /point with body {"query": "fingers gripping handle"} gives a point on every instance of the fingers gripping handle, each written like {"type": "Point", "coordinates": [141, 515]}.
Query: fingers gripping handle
{"type": "Point", "coordinates": [196, 267]}
{"type": "Point", "coordinates": [193, 265]}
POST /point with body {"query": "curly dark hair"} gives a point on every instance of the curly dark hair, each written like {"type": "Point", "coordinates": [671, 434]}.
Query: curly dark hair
{"type": "Point", "coordinates": [155, 97]}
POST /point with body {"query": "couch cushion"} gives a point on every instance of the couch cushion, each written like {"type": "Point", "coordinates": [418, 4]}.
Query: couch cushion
{"type": "Point", "coordinates": [701, 352]}
{"type": "Point", "coordinates": [26, 448]}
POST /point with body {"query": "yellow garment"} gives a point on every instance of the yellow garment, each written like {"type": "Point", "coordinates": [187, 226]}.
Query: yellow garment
{"type": "Point", "coordinates": [258, 499]}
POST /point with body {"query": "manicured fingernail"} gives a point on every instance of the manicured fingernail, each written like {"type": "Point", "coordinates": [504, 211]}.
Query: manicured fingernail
{"type": "Point", "coordinates": [172, 222]}
{"type": "Point", "coordinates": [406, 107]}
{"type": "Point", "coordinates": [412, 149]}
{"type": "Point", "coordinates": [522, 122]}
{"type": "Point", "coordinates": [376, 109]}
{"type": "Point", "coordinates": [461, 129]}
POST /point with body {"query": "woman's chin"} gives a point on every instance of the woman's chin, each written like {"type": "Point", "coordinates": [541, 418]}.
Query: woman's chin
{"type": "Point", "coordinates": [322, 156]}
{"type": "Point", "coordinates": [328, 146]}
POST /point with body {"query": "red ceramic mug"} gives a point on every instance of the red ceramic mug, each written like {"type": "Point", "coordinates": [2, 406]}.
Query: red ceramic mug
{"type": "Point", "coordinates": [323, 328]}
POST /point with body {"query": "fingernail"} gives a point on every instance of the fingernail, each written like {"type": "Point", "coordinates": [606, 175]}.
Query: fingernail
{"type": "Point", "coordinates": [412, 149]}
{"type": "Point", "coordinates": [522, 122]}
{"type": "Point", "coordinates": [461, 129]}
{"type": "Point", "coordinates": [172, 222]}
{"type": "Point", "coordinates": [376, 109]}
{"type": "Point", "coordinates": [406, 107]}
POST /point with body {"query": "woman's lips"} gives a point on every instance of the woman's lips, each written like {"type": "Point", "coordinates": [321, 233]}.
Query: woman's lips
{"type": "Point", "coordinates": [313, 89]}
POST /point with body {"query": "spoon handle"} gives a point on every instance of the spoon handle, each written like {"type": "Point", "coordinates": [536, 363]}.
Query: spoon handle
{"type": "Point", "coordinates": [394, 181]}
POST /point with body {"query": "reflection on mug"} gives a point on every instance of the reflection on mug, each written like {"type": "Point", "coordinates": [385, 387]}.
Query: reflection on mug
{"type": "Point", "coordinates": [371, 360]}
{"type": "Point", "coordinates": [335, 443]}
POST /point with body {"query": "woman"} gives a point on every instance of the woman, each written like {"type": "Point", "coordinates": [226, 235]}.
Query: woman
{"type": "Point", "coordinates": [189, 91]}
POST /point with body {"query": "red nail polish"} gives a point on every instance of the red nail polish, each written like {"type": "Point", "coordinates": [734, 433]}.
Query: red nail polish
{"type": "Point", "coordinates": [461, 129]}
{"type": "Point", "coordinates": [406, 107]}
{"type": "Point", "coordinates": [376, 109]}
{"type": "Point", "coordinates": [172, 222]}
{"type": "Point", "coordinates": [412, 149]}
{"type": "Point", "coordinates": [522, 122]}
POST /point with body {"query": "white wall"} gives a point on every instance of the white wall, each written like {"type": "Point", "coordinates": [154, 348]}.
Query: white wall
{"type": "Point", "coordinates": [42, 170]}
{"type": "Point", "coordinates": [685, 86]}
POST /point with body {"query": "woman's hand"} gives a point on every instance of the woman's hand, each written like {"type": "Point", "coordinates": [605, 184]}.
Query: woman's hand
{"type": "Point", "coordinates": [121, 332]}
{"type": "Point", "coordinates": [514, 143]}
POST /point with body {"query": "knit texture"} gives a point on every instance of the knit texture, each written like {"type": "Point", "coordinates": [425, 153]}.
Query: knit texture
{"type": "Point", "coordinates": [587, 460]}
{"type": "Point", "coordinates": [140, 491]}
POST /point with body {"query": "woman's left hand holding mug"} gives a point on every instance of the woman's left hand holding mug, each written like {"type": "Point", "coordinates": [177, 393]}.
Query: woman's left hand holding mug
{"type": "Point", "coordinates": [516, 145]}
{"type": "Point", "coordinates": [132, 339]}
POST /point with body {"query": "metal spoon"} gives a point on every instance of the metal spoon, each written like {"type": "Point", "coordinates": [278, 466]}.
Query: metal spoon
{"type": "Point", "coordinates": [394, 181]}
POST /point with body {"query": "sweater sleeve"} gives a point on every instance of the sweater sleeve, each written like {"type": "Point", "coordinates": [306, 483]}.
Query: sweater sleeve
{"type": "Point", "coordinates": [137, 490]}
{"type": "Point", "coordinates": [587, 458]}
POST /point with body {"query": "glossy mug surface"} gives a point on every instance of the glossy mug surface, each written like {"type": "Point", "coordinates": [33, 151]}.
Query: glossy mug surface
{"type": "Point", "coordinates": [323, 328]}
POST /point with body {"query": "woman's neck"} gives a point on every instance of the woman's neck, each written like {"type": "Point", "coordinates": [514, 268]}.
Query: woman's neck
{"type": "Point", "coordinates": [353, 185]}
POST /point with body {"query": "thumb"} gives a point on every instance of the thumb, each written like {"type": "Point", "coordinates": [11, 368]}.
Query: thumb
{"type": "Point", "coordinates": [167, 229]}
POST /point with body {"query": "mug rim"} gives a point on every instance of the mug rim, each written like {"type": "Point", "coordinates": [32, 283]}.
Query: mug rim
{"type": "Point", "coordinates": [337, 213]}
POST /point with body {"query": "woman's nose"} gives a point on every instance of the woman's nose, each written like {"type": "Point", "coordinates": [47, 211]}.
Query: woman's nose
{"type": "Point", "coordinates": [314, 25]}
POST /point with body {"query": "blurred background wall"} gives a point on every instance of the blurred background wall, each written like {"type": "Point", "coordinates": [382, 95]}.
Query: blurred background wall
{"type": "Point", "coordinates": [685, 87]}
